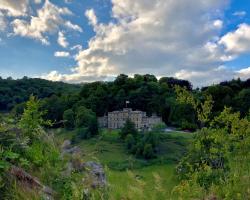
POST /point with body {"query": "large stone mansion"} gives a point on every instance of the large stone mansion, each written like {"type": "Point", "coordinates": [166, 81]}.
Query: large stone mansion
{"type": "Point", "coordinates": [117, 119]}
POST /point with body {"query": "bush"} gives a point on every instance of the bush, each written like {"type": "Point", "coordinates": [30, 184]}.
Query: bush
{"type": "Point", "coordinates": [148, 151]}
{"type": "Point", "coordinates": [185, 125]}
{"type": "Point", "coordinates": [130, 141]}
{"type": "Point", "coordinates": [129, 128]}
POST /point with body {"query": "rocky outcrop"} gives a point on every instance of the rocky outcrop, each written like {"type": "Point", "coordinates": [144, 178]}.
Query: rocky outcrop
{"type": "Point", "coordinates": [66, 148]}
{"type": "Point", "coordinates": [96, 175]}
{"type": "Point", "coordinates": [31, 182]}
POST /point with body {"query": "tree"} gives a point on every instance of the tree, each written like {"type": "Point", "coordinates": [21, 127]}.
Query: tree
{"type": "Point", "coordinates": [69, 119]}
{"type": "Point", "coordinates": [86, 118]}
{"type": "Point", "coordinates": [18, 109]}
{"type": "Point", "coordinates": [32, 118]}
{"type": "Point", "coordinates": [130, 141]}
{"type": "Point", "coordinates": [242, 101]}
{"type": "Point", "coordinates": [129, 128]}
{"type": "Point", "coordinates": [203, 109]}
{"type": "Point", "coordinates": [218, 158]}
{"type": "Point", "coordinates": [148, 151]}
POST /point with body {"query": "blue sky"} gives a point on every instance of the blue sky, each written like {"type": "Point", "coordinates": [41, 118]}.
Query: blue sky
{"type": "Point", "coordinates": [205, 42]}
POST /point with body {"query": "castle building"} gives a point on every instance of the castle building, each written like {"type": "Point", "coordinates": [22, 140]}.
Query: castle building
{"type": "Point", "coordinates": [117, 119]}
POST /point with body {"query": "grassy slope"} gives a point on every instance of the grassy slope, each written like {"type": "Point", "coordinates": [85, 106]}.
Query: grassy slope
{"type": "Point", "coordinates": [110, 151]}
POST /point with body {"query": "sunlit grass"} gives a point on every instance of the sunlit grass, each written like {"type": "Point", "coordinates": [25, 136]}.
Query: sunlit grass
{"type": "Point", "coordinates": [129, 176]}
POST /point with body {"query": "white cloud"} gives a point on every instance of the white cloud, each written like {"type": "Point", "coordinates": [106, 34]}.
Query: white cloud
{"type": "Point", "coordinates": [244, 73]}
{"type": "Point", "coordinates": [162, 37]}
{"type": "Point", "coordinates": [61, 54]}
{"type": "Point", "coordinates": [238, 41]}
{"type": "Point", "coordinates": [218, 24]}
{"type": "Point", "coordinates": [48, 20]}
{"type": "Point", "coordinates": [90, 14]}
{"type": "Point", "coordinates": [76, 47]}
{"type": "Point", "coordinates": [206, 77]}
{"type": "Point", "coordinates": [62, 41]}
{"type": "Point", "coordinates": [73, 26]}
{"type": "Point", "coordinates": [73, 78]}
{"type": "Point", "coordinates": [213, 76]}
{"type": "Point", "coordinates": [240, 13]}
{"type": "Point", "coordinates": [14, 7]}
{"type": "Point", "coordinates": [38, 1]}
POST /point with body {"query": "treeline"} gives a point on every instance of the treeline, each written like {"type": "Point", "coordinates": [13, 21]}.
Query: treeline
{"type": "Point", "coordinates": [144, 92]}
{"type": "Point", "coordinates": [13, 92]}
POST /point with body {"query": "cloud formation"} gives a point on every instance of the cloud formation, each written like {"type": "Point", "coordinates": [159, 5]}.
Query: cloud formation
{"type": "Point", "coordinates": [161, 36]}
{"type": "Point", "coordinates": [240, 13]}
{"type": "Point", "coordinates": [48, 20]}
{"type": "Point", "coordinates": [14, 8]}
{"type": "Point", "coordinates": [90, 14]}
{"type": "Point", "coordinates": [61, 54]}
{"type": "Point", "coordinates": [62, 41]}
{"type": "Point", "coordinates": [238, 41]}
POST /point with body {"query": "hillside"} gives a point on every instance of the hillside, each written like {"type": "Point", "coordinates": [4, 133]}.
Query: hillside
{"type": "Point", "coordinates": [13, 92]}
{"type": "Point", "coordinates": [52, 147]}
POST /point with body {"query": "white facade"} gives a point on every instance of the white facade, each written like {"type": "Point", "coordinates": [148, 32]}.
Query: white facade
{"type": "Point", "coordinates": [117, 119]}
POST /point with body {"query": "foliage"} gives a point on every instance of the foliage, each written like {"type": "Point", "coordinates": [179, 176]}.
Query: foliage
{"type": "Point", "coordinates": [13, 92]}
{"type": "Point", "coordinates": [37, 155]}
{"type": "Point", "coordinates": [183, 116]}
{"type": "Point", "coordinates": [32, 118]}
{"type": "Point", "coordinates": [144, 92]}
{"type": "Point", "coordinates": [130, 141]}
{"type": "Point", "coordinates": [213, 160]}
{"type": "Point", "coordinates": [128, 129]}
{"type": "Point", "coordinates": [148, 151]}
{"type": "Point", "coordinates": [203, 109]}
{"type": "Point", "coordinates": [85, 118]}
{"type": "Point", "coordinates": [69, 119]}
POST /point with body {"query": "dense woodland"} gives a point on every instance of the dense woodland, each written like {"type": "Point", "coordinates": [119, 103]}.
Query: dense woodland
{"type": "Point", "coordinates": [144, 92]}
{"type": "Point", "coordinates": [214, 166]}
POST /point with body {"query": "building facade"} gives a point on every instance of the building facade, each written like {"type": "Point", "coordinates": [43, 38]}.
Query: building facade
{"type": "Point", "coordinates": [117, 119]}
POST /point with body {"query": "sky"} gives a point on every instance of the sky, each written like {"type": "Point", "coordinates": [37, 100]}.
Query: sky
{"type": "Point", "coordinates": [203, 41]}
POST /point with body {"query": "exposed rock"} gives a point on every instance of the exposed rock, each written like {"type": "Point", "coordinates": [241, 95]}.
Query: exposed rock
{"type": "Point", "coordinates": [95, 172]}
{"type": "Point", "coordinates": [75, 153]}
{"type": "Point", "coordinates": [66, 144]}
{"type": "Point", "coordinates": [73, 150]}
{"type": "Point", "coordinates": [68, 149]}
{"type": "Point", "coordinates": [31, 182]}
{"type": "Point", "coordinates": [97, 176]}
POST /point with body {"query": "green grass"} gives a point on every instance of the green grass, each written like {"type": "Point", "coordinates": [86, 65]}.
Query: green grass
{"type": "Point", "coordinates": [127, 173]}
{"type": "Point", "coordinates": [146, 178]}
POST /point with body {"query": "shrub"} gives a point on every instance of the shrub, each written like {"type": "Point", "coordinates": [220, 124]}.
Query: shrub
{"type": "Point", "coordinates": [130, 141]}
{"type": "Point", "coordinates": [148, 151]}
{"type": "Point", "coordinates": [129, 128]}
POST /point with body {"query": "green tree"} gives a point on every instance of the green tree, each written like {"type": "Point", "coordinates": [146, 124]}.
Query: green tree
{"type": "Point", "coordinates": [32, 118]}
{"type": "Point", "coordinates": [69, 119]}
{"type": "Point", "coordinates": [129, 128]}
{"type": "Point", "coordinates": [203, 109]}
{"type": "Point", "coordinates": [148, 151]}
{"type": "Point", "coordinates": [86, 118]}
{"type": "Point", "coordinates": [243, 101]}
{"type": "Point", "coordinates": [130, 141]}
{"type": "Point", "coordinates": [217, 159]}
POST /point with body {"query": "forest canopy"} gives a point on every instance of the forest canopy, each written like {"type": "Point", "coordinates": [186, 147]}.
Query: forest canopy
{"type": "Point", "coordinates": [144, 92]}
